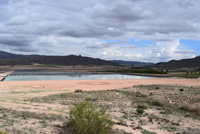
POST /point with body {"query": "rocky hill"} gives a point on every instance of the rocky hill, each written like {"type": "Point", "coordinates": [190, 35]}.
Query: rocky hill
{"type": "Point", "coordinates": [71, 60]}
{"type": "Point", "coordinates": [6, 55]}
{"type": "Point", "coordinates": [184, 63]}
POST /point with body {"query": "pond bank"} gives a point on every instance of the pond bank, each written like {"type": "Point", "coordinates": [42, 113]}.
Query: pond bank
{"type": "Point", "coordinates": [4, 75]}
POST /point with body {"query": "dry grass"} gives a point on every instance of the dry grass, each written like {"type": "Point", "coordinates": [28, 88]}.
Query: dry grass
{"type": "Point", "coordinates": [190, 108]}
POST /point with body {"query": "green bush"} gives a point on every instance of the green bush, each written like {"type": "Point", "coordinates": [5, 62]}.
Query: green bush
{"type": "Point", "coordinates": [140, 110]}
{"type": "Point", "coordinates": [86, 118]}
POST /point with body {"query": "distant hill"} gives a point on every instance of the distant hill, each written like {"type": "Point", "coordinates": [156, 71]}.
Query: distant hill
{"type": "Point", "coordinates": [71, 60]}
{"type": "Point", "coordinates": [5, 55]}
{"type": "Point", "coordinates": [184, 63]}
{"type": "Point", "coordinates": [131, 63]}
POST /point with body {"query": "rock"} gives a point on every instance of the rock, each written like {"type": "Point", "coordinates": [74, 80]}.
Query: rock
{"type": "Point", "coordinates": [151, 119]}
{"type": "Point", "coordinates": [169, 101]}
{"type": "Point", "coordinates": [143, 122]}
{"type": "Point", "coordinates": [175, 123]}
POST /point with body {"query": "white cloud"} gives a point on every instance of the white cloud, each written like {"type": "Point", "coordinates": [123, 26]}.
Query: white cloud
{"type": "Point", "coordinates": [76, 27]}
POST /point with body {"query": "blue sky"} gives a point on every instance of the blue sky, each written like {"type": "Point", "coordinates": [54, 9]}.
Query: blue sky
{"type": "Point", "coordinates": [141, 43]}
{"type": "Point", "coordinates": [191, 44]}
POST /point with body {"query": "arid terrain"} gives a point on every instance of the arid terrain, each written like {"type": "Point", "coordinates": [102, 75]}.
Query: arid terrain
{"type": "Point", "coordinates": [171, 106]}
{"type": "Point", "coordinates": [99, 67]}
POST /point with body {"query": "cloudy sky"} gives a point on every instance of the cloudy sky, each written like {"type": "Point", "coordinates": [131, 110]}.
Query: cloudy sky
{"type": "Point", "coordinates": [137, 30]}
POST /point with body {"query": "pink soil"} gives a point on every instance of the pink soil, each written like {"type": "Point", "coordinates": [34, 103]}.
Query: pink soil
{"type": "Point", "coordinates": [88, 85]}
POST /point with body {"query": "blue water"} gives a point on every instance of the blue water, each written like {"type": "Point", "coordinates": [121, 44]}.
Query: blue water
{"type": "Point", "coordinates": [69, 76]}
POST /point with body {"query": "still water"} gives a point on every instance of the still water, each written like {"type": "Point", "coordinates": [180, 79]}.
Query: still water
{"type": "Point", "coordinates": [68, 76]}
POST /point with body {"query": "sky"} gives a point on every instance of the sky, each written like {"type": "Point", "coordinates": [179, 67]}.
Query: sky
{"type": "Point", "coordinates": [132, 30]}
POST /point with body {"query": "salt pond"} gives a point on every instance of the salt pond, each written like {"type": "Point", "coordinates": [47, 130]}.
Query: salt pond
{"type": "Point", "coordinates": [39, 75]}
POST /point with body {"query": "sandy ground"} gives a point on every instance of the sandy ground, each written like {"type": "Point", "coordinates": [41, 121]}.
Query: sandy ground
{"type": "Point", "coordinates": [17, 91]}
{"type": "Point", "coordinates": [93, 85]}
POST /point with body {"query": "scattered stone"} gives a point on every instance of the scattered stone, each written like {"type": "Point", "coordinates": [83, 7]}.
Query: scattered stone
{"type": "Point", "coordinates": [143, 122]}
{"type": "Point", "coordinates": [169, 101]}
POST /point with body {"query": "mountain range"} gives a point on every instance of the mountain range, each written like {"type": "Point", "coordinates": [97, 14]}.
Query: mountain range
{"type": "Point", "coordinates": [72, 60]}
{"type": "Point", "coordinates": [184, 63]}
{"type": "Point", "coordinates": [6, 55]}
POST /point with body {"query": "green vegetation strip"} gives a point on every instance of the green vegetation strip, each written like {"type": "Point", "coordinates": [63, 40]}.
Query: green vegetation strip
{"type": "Point", "coordinates": [143, 71]}
{"type": "Point", "coordinates": [187, 75]}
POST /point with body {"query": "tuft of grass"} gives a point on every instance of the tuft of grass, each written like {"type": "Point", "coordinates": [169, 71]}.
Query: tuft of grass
{"type": "Point", "coordinates": [142, 106]}
{"type": "Point", "coordinates": [86, 118]}
{"type": "Point", "coordinates": [3, 131]}
{"type": "Point", "coordinates": [91, 99]}
{"type": "Point", "coordinates": [78, 90]}
{"type": "Point", "coordinates": [148, 132]}
{"type": "Point", "coordinates": [140, 110]}
{"type": "Point", "coordinates": [190, 108]}
{"type": "Point", "coordinates": [157, 103]}
{"type": "Point", "coordinates": [138, 94]}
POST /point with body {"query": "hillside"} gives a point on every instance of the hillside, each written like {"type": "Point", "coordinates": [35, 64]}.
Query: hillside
{"type": "Point", "coordinates": [6, 55]}
{"type": "Point", "coordinates": [70, 60]}
{"type": "Point", "coordinates": [184, 63]}
{"type": "Point", "coordinates": [131, 63]}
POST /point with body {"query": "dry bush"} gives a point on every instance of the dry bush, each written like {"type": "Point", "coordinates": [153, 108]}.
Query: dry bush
{"type": "Point", "coordinates": [190, 108]}
{"type": "Point", "coordinates": [3, 131]}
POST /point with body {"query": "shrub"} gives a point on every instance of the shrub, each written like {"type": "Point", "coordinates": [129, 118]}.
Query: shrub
{"type": "Point", "coordinates": [142, 106]}
{"type": "Point", "coordinates": [138, 94]}
{"type": "Point", "coordinates": [181, 90]}
{"type": "Point", "coordinates": [140, 110]}
{"type": "Point", "coordinates": [157, 103]}
{"type": "Point", "coordinates": [86, 118]}
{"type": "Point", "coordinates": [78, 90]}
{"type": "Point", "coordinates": [91, 99]}
{"type": "Point", "coordinates": [157, 87]}
{"type": "Point", "coordinates": [190, 108]}
{"type": "Point", "coordinates": [3, 131]}
{"type": "Point", "coordinates": [148, 132]}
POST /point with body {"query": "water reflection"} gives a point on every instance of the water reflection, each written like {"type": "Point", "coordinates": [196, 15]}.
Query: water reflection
{"type": "Point", "coordinates": [71, 76]}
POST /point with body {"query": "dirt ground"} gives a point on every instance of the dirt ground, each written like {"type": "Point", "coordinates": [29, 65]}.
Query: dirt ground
{"type": "Point", "coordinates": [43, 106]}
{"type": "Point", "coordinates": [86, 85]}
